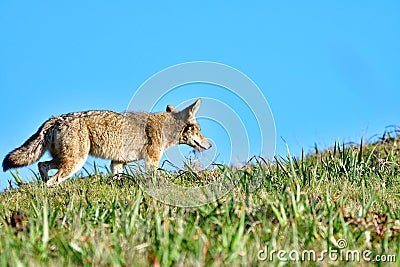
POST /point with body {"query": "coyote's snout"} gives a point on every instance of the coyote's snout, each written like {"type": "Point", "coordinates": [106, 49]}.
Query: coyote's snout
{"type": "Point", "coordinates": [121, 137]}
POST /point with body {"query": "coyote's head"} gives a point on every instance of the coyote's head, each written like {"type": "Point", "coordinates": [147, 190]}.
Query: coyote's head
{"type": "Point", "coordinates": [190, 132]}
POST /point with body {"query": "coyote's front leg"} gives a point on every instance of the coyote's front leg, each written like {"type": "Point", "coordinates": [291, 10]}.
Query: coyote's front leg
{"type": "Point", "coordinates": [151, 164]}
{"type": "Point", "coordinates": [117, 167]}
{"type": "Point", "coordinates": [153, 157]}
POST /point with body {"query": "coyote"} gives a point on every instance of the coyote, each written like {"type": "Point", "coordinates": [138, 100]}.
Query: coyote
{"type": "Point", "coordinates": [120, 137]}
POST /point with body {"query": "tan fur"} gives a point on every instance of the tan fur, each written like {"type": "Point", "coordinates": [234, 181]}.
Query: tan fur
{"type": "Point", "coordinates": [153, 131]}
{"type": "Point", "coordinates": [70, 138]}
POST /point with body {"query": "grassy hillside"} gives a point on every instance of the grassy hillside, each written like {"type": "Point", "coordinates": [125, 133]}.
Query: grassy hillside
{"type": "Point", "coordinates": [343, 199]}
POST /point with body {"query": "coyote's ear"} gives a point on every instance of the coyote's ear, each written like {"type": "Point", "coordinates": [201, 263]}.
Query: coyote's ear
{"type": "Point", "coordinates": [191, 110]}
{"type": "Point", "coordinates": [170, 108]}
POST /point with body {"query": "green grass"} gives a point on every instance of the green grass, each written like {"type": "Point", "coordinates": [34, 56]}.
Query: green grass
{"type": "Point", "coordinates": [309, 203]}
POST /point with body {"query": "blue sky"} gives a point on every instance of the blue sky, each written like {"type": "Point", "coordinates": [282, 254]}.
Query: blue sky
{"type": "Point", "coordinates": [329, 71]}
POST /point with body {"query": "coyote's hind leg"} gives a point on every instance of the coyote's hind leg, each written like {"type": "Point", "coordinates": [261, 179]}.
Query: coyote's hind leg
{"type": "Point", "coordinates": [71, 150]}
{"type": "Point", "coordinates": [66, 169]}
{"type": "Point", "coordinates": [44, 168]}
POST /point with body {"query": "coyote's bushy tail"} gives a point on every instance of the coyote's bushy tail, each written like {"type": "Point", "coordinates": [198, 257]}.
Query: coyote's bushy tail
{"type": "Point", "coordinates": [31, 150]}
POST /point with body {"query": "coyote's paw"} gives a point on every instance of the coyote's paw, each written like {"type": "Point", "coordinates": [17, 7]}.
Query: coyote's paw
{"type": "Point", "coordinates": [52, 182]}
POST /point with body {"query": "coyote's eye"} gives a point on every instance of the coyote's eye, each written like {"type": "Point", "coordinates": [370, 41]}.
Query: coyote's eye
{"type": "Point", "coordinates": [188, 128]}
